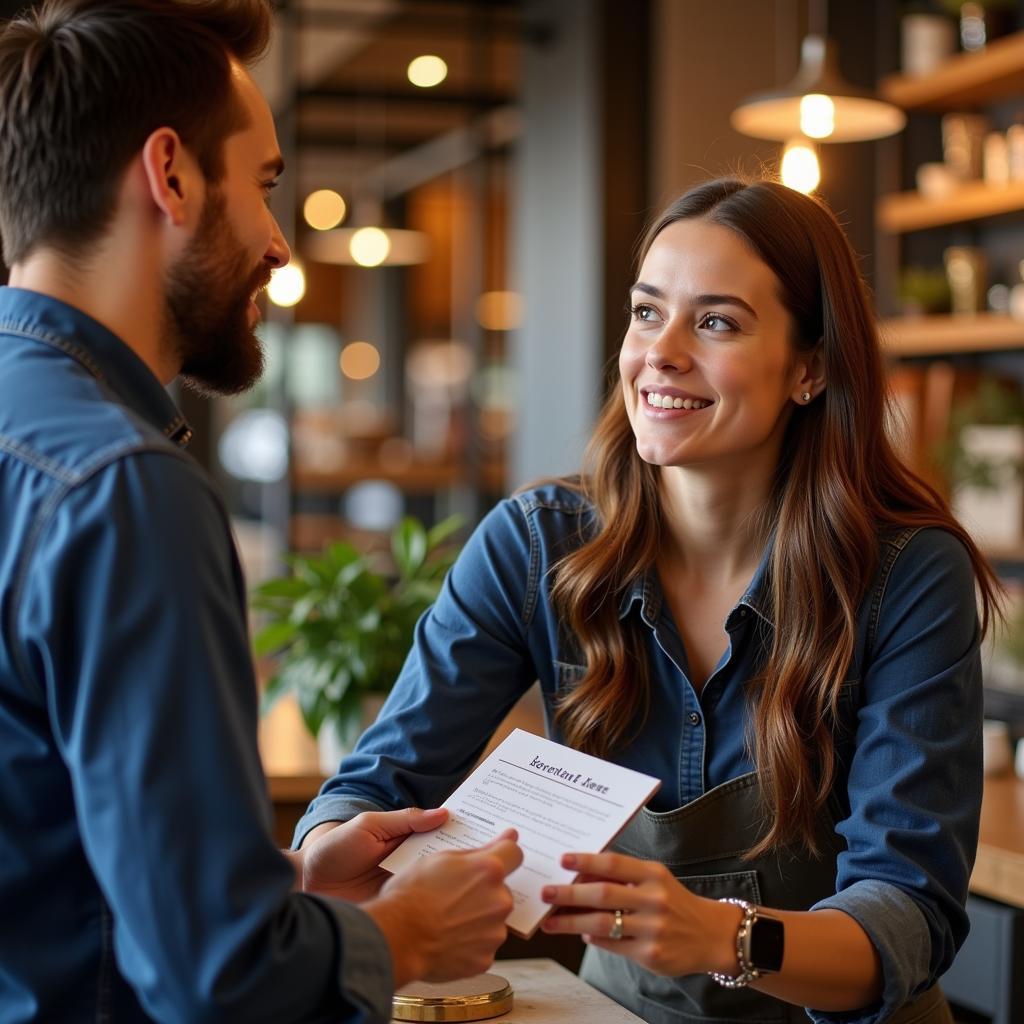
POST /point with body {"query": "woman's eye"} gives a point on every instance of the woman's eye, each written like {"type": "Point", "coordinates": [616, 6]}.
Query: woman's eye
{"type": "Point", "coordinates": [716, 322]}
{"type": "Point", "coordinates": [643, 312]}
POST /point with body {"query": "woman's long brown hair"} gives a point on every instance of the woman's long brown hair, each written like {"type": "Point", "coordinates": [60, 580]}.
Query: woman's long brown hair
{"type": "Point", "coordinates": [838, 484]}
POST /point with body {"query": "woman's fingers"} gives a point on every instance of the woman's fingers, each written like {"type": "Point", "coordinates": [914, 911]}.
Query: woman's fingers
{"type": "Point", "coordinates": [597, 923]}
{"type": "Point", "coordinates": [597, 895]}
{"type": "Point", "coordinates": [616, 867]}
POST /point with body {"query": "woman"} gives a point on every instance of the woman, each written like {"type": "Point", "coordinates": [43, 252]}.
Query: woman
{"type": "Point", "coordinates": [747, 595]}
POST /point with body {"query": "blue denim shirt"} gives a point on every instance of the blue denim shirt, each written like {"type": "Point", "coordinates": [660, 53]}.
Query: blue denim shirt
{"type": "Point", "coordinates": [911, 767]}
{"type": "Point", "coordinates": [138, 877]}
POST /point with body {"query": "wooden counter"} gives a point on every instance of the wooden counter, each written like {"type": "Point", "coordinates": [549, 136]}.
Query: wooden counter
{"type": "Point", "coordinates": [999, 869]}
{"type": "Point", "coordinates": [546, 993]}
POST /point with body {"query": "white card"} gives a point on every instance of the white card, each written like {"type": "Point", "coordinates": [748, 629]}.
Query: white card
{"type": "Point", "coordinates": [558, 799]}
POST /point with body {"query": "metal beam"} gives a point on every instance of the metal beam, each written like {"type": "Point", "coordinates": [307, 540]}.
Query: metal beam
{"type": "Point", "coordinates": [480, 101]}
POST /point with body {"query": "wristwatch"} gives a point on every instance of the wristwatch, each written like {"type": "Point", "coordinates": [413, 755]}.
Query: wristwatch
{"type": "Point", "coordinates": [760, 942]}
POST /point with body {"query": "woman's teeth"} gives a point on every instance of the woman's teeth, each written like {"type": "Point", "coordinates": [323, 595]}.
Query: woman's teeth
{"type": "Point", "coordinates": [668, 402]}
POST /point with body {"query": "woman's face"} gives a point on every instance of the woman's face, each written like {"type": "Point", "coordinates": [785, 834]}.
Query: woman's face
{"type": "Point", "coordinates": [709, 373]}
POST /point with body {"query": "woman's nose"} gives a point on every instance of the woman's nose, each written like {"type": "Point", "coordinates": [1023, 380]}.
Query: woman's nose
{"type": "Point", "coordinates": [670, 353]}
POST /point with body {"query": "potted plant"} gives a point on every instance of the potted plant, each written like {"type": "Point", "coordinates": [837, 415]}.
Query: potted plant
{"type": "Point", "coordinates": [339, 627]}
{"type": "Point", "coordinates": [923, 291]}
{"type": "Point", "coordinates": [983, 458]}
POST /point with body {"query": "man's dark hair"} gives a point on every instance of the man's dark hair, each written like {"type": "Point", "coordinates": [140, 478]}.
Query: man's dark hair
{"type": "Point", "coordinates": [83, 83]}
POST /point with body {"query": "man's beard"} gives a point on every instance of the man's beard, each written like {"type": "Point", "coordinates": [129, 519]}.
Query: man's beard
{"type": "Point", "coordinates": [207, 307]}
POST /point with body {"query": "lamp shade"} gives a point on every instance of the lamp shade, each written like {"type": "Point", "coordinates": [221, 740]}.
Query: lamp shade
{"type": "Point", "coordinates": [401, 247]}
{"type": "Point", "coordinates": [818, 103]}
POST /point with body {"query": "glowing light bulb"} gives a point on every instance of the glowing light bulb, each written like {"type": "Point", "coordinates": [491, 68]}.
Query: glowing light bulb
{"type": "Point", "coordinates": [359, 360]}
{"type": "Point", "coordinates": [287, 285]}
{"type": "Point", "coordinates": [817, 116]}
{"type": "Point", "coordinates": [369, 247]}
{"type": "Point", "coordinates": [427, 71]}
{"type": "Point", "coordinates": [800, 170]}
{"type": "Point", "coordinates": [324, 209]}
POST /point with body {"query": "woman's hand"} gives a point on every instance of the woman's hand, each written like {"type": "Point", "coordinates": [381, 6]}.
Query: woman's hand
{"type": "Point", "coordinates": [665, 927]}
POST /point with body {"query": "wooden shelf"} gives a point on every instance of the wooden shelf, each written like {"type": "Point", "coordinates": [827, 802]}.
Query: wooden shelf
{"type": "Point", "coordinates": [413, 478]}
{"type": "Point", "coordinates": [964, 80]}
{"type": "Point", "coordinates": [973, 200]}
{"type": "Point", "coordinates": [949, 335]}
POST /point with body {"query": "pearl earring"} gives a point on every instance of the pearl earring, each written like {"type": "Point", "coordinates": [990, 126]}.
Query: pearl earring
{"type": "Point", "coordinates": [806, 396]}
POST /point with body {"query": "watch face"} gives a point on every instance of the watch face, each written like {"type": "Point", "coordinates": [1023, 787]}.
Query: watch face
{"type": "Point", "coordinates": [766, 944]}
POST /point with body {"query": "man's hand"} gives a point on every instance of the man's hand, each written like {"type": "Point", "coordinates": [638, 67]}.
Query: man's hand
{"type": "Point", "coordinates": [342, 861]}
{"type": "Point", "coordinates": [444, 916]}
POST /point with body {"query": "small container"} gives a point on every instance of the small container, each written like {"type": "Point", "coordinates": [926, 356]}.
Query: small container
{"type": "Point", "coordinates": [936, 181]}
{"type": "Point", "coordinates": [926, 41]}
{"type": "Point", "coordinates": [1015, 150]}
{"type": "Point", "coordinates": [999, 299]}
{"type": "Point", "coordinates": [966, 271]}
{"type": "Point", "coordinates": [996, 159]}
{"type": "Point", "coordinates": [478, 998]}
{"type": "Point", "coordinates": [963, 140]}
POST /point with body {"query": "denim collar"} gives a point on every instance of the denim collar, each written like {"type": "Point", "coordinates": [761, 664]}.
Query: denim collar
{"type": "Point", "coordinates": [646, 591]}
{"type": "Point", "coordinates": [37, 317]}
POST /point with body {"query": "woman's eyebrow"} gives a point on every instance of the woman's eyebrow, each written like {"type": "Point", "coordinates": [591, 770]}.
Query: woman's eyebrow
{"type": "Point", "coordinates": [709, 299]}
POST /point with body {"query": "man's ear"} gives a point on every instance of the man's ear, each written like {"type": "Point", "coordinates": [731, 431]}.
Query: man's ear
{"type": "Point", "coordinates": [173, 176]}
{"type": "Point", "coordinates": [810, 375]}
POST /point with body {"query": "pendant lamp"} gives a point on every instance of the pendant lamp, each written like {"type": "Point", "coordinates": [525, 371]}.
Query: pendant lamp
{"type": "Point", "coordinates": [818, 103]}
{"type": "Point", "coordinates": [371, 244]}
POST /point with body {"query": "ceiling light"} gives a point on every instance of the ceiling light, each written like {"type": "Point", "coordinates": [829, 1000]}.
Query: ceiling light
{"type": "Point", "coordinates": [427, 71]}
{"type": "Point", "coordinates": [359, 360]}
{"type": "Point", "coordinates": [342, 246]}
{"type": "Point", "coordinates": [818, 98]}
{"type": "Point", "coordinates": [800, 169]}
{"type": "Point", "coordinates": [287, 284]}
{"type": "Point", "coordinates": [369, 246]}
{"type": "Point", "coordinates": [324, 209]}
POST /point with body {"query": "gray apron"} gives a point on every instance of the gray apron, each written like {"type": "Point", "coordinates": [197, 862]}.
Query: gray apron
{"type": "Point", "coordinates": [702, 844]}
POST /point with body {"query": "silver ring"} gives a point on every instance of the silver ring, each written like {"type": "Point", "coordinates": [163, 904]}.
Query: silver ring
{"type": "Point", "coordinates": [616, 931]}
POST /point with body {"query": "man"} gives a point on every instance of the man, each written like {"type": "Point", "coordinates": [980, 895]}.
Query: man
{"type": "Point", "coordinates": [138, 879]}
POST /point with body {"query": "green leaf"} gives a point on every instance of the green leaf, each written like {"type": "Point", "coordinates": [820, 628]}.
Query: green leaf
{"type": "Point", "coordinates": [284, 586]}
{"type": "Point", "coordinates": [409, 546]}
{"type": "Point", "coordinates": [272, 693]}
{"type": "Point", "coordinates": [314, 708]}
{"type": "Point", "coordinates": [272, 637]}
{"type": "Point", "coordinates": [443, 530]}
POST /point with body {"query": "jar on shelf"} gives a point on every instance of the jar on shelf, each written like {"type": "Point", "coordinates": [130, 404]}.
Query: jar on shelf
{"type": "Point", "coordinates": [963, 141]}
{"type": "Point", "coordinates": [966, 269]}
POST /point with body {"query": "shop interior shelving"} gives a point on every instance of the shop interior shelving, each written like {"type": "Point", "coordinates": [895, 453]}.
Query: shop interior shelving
{"type": "Point", "coordinates": [964, 81]}
{"type": "Point", "coordinates": [949, 335]}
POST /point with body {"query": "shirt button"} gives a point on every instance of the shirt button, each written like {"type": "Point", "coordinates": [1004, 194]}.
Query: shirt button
{"type": "Point", "coordinates": [694, 718]}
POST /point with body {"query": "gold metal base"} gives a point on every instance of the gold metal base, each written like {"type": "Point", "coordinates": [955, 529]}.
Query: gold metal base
{"type": "Point", "coordinates": [478, 998]}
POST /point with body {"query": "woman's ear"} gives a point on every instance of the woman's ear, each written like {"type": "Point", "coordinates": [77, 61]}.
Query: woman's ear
{"type": "Point", "coordinates": [809, 375]}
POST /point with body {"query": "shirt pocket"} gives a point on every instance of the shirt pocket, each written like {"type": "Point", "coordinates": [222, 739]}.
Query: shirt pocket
{"type": "Point", "coordinates": [565, 677]}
